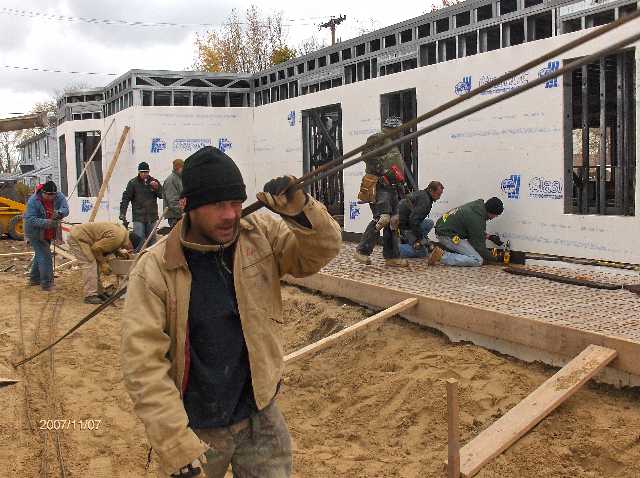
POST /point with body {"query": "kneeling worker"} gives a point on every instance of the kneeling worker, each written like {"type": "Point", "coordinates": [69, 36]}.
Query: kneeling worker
{"type": "Point", "coordinates": [90, 243]}
{"type": "Point", "coordinates": [414, 223]}
{"type": "Point", "coordinates": [463, 230]}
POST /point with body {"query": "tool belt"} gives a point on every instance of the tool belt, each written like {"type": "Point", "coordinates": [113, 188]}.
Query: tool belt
{"type": "Point", "coordinates": [368, 187]}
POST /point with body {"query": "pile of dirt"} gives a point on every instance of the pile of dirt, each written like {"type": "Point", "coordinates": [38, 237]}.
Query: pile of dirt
{"type": "Point", "coordinates": [373, 405]}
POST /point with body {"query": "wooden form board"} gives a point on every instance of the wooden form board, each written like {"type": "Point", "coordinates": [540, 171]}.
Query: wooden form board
{"type": "Point", "coordinates": [107, 177]}
{"type": "Point", "coordinates": [530, 411]}
{"type": "Point", "coordinates": [555, 339]}
{"type": "Point", "coordinates": [320, 344]}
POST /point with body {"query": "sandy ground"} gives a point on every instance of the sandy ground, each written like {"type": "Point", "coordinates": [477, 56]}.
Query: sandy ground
{"type": "Point", "coordinates": [372, 406]}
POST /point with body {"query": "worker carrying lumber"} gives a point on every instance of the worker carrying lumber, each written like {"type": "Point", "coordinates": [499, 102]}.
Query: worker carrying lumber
{"type": "Point", "coordinates": [90, 243]}
{"type": "Point", "coordinates": [381, 187]}
{"type": "Point", "coordinates": [171, 191]}
{"type": "Point", "coordinates": [463, 231]}
{"type": "Point", "coordinates": [415, 224]}
{"type": "Point", "coordinates": [201, 354]}
{"type": "Point", "coordinates": [143, 193]}
{"type": "Point", "coordinates": [45, 209]}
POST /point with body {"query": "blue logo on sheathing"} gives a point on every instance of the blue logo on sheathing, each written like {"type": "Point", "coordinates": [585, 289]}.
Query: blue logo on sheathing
{"type": "Point", "coordinates": [464, 86]}
{"type": "Point", "coordinates": [157, 145]}
{"type": "Point", "coordinates": [354, 210]}
{"type": "Point", "coordinates": [291, 117]}
{"type": "Point", "coordinates": [86, 205]}
{"type": "Point", "coordinates": [511, 186]}
{"type": "Point", "coordinates": [541, 188]}
{"type": "Point", "coordinates": [224, 144]}
{"type": "Point", "coordinates": [550, 68]}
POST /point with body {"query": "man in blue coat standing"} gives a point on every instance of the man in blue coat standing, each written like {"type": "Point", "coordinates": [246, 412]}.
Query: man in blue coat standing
{"type": "Point", "coordinates": [45, 208]}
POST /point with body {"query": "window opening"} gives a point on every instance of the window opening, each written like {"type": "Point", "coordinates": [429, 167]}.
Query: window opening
{"type": "Point", "coordinates": [403, 104]}
{"type": "Point", "coordinates": [322, 143]}
{"type": "Point", "coordinates": [85, 143]}
{"type": "Point", "coordinates": [600, 137]}
{"type": "Point", "coordinates": [484, 12]}
{"type": "Point", "coordinates": [463, 19]}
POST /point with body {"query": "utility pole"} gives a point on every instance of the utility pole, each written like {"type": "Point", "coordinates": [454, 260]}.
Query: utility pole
{"type": "Point", "coordinates": [332, 24]}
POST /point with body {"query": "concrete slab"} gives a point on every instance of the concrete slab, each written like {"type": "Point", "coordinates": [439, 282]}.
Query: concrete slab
{"type": "Point", "coordinates": [528, 318]}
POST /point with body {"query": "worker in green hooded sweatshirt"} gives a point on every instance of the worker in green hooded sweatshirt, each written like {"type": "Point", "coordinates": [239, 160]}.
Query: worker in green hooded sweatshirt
{"type": "Point", "coordinates": [462, 231]}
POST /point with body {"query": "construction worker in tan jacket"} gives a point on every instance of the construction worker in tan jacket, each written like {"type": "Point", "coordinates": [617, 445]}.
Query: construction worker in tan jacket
{"type": "Point", "coordinates": [201, 353]}
{"type": "Point", "coordinates": [90, 243]}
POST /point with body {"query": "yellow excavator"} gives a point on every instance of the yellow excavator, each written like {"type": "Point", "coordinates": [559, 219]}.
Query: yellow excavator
{"type": "Point", "coordinates": [11, 218]}
{"type": "Point", "coordinates": [11, 210]}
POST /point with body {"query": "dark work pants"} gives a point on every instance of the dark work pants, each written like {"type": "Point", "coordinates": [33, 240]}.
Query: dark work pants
{"type": "Point", "coordinates": [386, 203]}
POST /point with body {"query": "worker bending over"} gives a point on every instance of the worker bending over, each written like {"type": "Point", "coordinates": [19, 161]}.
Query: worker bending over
{"type": "Point", "coordinates": [381, 188]}
{"type": "Point", "coordinates": [414, 223]}
{"type": "Point", "coordinates": [90, 243]}
{"type": "Point", "coordinates": [463, 231]}
{"type": "Point", "coordinates": [201, 351]}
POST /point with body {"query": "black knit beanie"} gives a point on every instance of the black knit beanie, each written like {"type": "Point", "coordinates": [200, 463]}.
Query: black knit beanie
{"type": "Point", "coordinates": [494, 206]}
{"type": "Point", "coordinates": [211, 176]}
{"type": "Point", "coordinates": [49, 187]}
{"type": "Point", "coordinates": [143, 167]}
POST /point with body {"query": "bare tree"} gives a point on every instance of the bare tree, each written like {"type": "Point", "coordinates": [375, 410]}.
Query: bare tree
{"type": "Point", "coordinates": [367, 26]}
{"type": "Point", "coordinates": [246, 45]}
{"type": "Point", "coordinates": [309, 45]}
{"type": "Point", "coordinates": [8, 153]}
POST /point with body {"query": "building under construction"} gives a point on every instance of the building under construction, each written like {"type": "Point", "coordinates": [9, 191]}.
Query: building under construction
{"type": "Point", "coordinates": [562, 155]}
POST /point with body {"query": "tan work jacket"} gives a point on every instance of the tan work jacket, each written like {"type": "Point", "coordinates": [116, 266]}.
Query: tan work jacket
{"type": "Point", "coordinates": [155, 342]}
{"type": "Point", "coordinates": [99, 238]}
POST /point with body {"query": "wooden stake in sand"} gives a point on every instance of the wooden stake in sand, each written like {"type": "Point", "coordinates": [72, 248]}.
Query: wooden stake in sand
{"type": "Point", "coordinates": [453, 422]}
{"type": "Point", "coordinates": [530, 411]}
{"type": "Point", "coordinates": [107, 177]}
{"type": "Point", "coordinates": [320, 344]}
{"type": "Point", "coordinates": [13, 254]}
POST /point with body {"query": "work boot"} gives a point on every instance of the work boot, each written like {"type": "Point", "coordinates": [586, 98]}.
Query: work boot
{"type": "Point", "coordinates": [32, 283]}
{"type": "Point", "coordinates": [436, 256]}
{"type": "Point", "coordinates": [396, 262]}
{"type": "Point", "coordinates": [93, 299]}
{"type": "Point", "coordinates": [358, 256]}
{"type": "Point", "coordinates": [48, 287]}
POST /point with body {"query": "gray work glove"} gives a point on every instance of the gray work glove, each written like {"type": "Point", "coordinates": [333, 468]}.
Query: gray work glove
{"type": "Point", "coordinates": [383, 222]}
{"type": "Point", "coordinates": [394, 222]}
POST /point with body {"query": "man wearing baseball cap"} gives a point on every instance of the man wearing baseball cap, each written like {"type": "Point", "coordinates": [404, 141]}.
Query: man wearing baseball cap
{"type": "Point", "coordinates": [463, 230]}
{"type": "Point", "coordinates": [143, 193]}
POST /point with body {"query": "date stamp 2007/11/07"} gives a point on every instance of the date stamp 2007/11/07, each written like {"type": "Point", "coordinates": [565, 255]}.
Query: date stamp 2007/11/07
{"type": "Point", "coordinates": [69, 424]}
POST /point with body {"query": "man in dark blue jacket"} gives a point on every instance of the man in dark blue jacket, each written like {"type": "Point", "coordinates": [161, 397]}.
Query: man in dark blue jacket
{"type": "Point", "coordinates": [45, 208]}
{"type": "Point", "coordinates": [415, 224]}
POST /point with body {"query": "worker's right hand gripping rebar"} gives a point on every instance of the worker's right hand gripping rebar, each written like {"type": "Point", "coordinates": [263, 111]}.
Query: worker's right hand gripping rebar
{"type": "Point", "coordinates": [282, 196]}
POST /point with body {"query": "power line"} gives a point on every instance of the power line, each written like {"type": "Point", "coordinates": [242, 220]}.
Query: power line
{"type": "Point", "coordinates": [117, 22]}
{"type": "Point", "coordinates": [50, 70]}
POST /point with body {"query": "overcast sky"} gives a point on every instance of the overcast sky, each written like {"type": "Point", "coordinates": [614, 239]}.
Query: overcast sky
{"type": "Point", "coordinates": [29, 40]}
